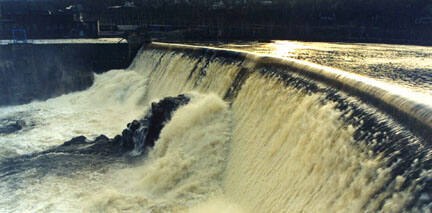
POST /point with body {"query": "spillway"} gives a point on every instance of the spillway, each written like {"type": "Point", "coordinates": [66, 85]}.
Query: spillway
{"type": "Point", "coordinates": [260, 134]}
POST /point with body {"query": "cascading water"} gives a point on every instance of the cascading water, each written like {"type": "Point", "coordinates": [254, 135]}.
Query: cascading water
{"type": "Point", "coordinates": [252, 138]}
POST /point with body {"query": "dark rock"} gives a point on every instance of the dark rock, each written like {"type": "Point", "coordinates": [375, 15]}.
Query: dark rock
{"type": "Point", "coordinates": [11, 128]}
{"type": "Point", "coordinates": [117, 139]}
{"type": "Point", "coordinates": [160, 113]}
{"type": "Point", "coordinates": [144, 133]}
{"type": "Point", "coordinates": [126, 140]}
{"type": "Point", "coordinates": [77, 140]}
{"type": "Point", "coordinates": [134, 125]}
{"type": "Point", "coordinates": [101, 138]}
{"type": "Point", "coordinates": [20, 124]}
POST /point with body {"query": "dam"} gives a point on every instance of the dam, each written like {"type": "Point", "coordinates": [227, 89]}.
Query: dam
{"type": "Point", "coordinates": [248, 133]}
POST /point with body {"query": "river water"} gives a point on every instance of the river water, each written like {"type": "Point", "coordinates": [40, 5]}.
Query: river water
{"type": "Point", "coordinates": [274, 148]}
{"type": "Point", "coordinates": [404, 65]}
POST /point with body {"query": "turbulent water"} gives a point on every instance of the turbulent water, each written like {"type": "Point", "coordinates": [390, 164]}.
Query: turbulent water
{"type": "Point", "coordinates": [249, 140]}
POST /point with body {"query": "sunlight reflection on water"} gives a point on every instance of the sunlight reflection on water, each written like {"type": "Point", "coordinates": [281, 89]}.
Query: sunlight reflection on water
{"type": "Point", "coordinates": [404, 65]}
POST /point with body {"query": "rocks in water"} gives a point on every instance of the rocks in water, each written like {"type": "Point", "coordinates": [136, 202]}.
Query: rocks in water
{"type": "Point", "coordinates": [11, 128]}
{"type": "Point", "coordinates": [101, 145]}
{"type": "Point", "coordinates": [126, 139]}
{"type": "Point", "coordinates": [77, 140]}
{"type": "Point", "coordinates": [134, 125]}
{"type": "Point", "coordinates": [137, 136]}
{"type": "Point", "coordinates": [102, 138]}
{"type": "Point", "coordinates": [81, 153]}
{"type": "Point", "coordinates": [20, 124]}
{"type": "Point", "coordinates": [159, 114]}
{"type": "Point", "coordinates": [144, 133]}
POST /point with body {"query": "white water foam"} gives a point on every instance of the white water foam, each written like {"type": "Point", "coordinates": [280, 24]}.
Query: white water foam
{"type": "Point", "coordinates": [184, 168]}
{"type": "Point", "coordinates": [105, 108]}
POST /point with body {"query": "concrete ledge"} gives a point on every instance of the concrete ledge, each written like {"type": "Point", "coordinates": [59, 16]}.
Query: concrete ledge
{"type": "Point", "coordinates": [40, 71]}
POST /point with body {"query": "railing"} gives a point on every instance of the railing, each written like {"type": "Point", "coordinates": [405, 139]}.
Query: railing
{"type": "Point", "coordinates": [7, 42]}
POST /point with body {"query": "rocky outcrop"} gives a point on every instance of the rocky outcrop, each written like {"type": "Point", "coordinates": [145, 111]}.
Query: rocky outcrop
{"type": "Point", "coordinates": [138, 135]}
{"type": "Point", "coordinates": [81, 153]}
{"type": "Point", "coordinates": [14, 127]}
{"type": "Point", "coordinates": [144, 133]}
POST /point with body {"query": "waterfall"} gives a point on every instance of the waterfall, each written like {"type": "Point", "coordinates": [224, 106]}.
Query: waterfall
{"type": "Point", "coordinates": [260, 134]}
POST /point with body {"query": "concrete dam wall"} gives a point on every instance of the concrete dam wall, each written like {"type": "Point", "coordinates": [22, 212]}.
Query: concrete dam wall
{"type": "Point", "coordinates": [304, 137]}
{"type": "Point", "coordinates": [40, 71]}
